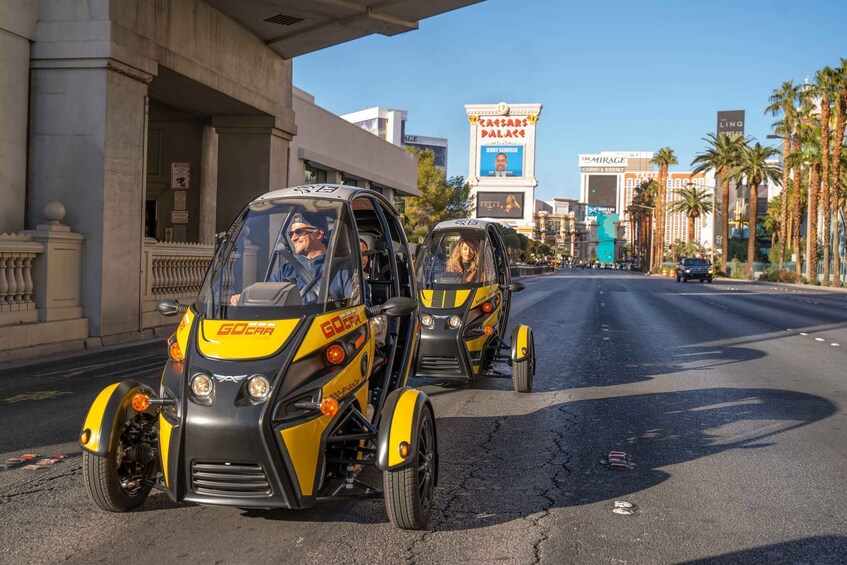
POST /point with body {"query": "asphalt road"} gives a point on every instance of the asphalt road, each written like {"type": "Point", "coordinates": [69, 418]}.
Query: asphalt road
{"type": "Point", "coordinates": [729, 398]}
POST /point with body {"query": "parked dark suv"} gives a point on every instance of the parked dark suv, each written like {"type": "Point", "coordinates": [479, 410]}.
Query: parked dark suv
{"type": "Point", "coordinates": [694, 268]}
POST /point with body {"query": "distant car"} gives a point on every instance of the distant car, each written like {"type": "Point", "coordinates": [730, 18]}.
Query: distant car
{"type": "Point", "coordinates": [694, 268]}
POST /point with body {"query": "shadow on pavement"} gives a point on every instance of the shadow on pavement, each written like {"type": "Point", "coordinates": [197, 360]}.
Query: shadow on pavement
{"type": "Point", "coordinates": [805, 550]}
{"type": "Point", "coordinates": [496, 469]}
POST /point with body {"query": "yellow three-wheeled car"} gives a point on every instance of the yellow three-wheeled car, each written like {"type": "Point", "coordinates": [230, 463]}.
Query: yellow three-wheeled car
{"type": "Point", "coordinates": [287, 375]}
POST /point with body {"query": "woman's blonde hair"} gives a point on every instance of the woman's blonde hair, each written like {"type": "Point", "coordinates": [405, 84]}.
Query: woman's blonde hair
{"type": "Point", "coordinates": [454, 263]}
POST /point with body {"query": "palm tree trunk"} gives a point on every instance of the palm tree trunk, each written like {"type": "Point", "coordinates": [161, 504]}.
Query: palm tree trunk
{"type": "Point", "coordinates": [812, 232]}
{"type": "Point", "coordinates": [725, 219]}
{"type": "Point", "coordinates": [783, 213]}
{"type": "Point", "coordinates": [751, 226]}
{"type": "Point", "coordinates": [657, 229]}
{"type": "Point", "coordinates": [835, 173]}
{"type": "Point", "coordinates": [836, 257]}
{"type": "Point", "coordinates": [690, 233]}
{"type": "Point", "coordinates": [795, 212]}
{"type": "Point", "coordinates": [826, 194]}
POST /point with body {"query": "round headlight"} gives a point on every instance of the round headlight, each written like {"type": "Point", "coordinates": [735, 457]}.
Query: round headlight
{"type": "Point", "coordinates": [202, 385]}
{"type": "Point", "coordinates": [454, 321]}
{"type": "Point", "coordinates": [427, 321]}
{"type": "Point", "coordinates": [258, 387]}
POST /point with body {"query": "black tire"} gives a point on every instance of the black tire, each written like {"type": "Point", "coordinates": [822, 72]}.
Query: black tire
{"type": "Point", "coordinates": [523, 371]}
{"type": "Point", "coordinates": [677, 278]}
{"type": "Point", "coordinates": [709, 280]}
{"type": "Point", "coordinates": [409, 491]}
{"type": "Point", "coordinates": [103, 475]}
{"type": "Point", "coordinates": [685, 280]}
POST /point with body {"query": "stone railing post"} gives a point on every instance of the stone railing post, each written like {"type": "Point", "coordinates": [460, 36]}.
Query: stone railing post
{"type": "Point", "coordinates": [57, 273]}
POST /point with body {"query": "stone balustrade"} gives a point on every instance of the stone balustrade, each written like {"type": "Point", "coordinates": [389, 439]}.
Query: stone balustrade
{"type": "Point", "coordinates": [17, 254]}
{"type": "Point", "coordinates": [171, 271]}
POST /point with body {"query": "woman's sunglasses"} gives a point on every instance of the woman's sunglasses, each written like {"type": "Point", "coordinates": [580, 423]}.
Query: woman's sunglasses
{"type": "Point", "coordinates": [299, 232]}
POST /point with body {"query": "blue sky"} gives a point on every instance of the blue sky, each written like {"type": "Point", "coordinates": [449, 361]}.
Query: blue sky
{"type": "Point", "coordinates": [612, 75]}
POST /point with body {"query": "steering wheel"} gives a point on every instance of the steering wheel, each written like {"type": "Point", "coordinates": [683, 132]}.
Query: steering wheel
{"type": "Point", "coordinates": [301, 270]}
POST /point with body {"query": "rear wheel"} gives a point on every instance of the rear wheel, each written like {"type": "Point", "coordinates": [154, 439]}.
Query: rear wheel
{"type": "Point", "coordinates": [409, 491]}
{"type": "Point", "coordinates": [121, 480]}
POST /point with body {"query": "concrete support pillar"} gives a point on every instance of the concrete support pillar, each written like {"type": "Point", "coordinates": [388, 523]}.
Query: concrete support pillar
{"type": "Point", "coordinates": [208, 184]}
{"type": "Point", "coordinates": [252, 159]}
{"type": "Point", "coordinates": [17, 29]}
{"type": "Point", "coordinates": [87, 139]}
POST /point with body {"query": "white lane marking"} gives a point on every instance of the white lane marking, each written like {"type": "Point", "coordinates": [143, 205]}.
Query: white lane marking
{"type": "Point", "coordinates": [606, 338]}
{"type": "Point", "coordinates": [803, 333]}
{"type": "Point", "coordinates": [819, 339]}
{"type": "Point", "coordinates": [601, 292]}
{"type": "Point", "coordinates": [602, 304]}
{"type": "Point", "coordinates": [835, 345]}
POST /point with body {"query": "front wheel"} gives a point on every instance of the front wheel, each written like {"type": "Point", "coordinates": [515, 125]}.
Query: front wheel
{"type": "Point", "coordinates": [121, 480]}
{"type": "Point", "coordinates": [409, 491]}
{"type": "Point", "coordinates": [523, 371]}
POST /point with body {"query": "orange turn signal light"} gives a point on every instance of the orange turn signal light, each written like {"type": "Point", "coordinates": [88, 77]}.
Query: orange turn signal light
{"type": "Point", "coordinates": [487, 307]}
{"type": "Point", "coordinates": [85, 436]}
{"type": "Point", "coordinates": [360, 341]}
{"type": "Point", "coordinates": [404, 450]}
{"type": "Point", "coordinates": [140, 402]}
{"type": "Point", "coordinates": [329, 407]}
{"type": "Point", "coordinates": [489, 330]}
{"type": "Point", "coordinates": [335, 354]}
{"type": "Point", "coordinates": [175, 352]}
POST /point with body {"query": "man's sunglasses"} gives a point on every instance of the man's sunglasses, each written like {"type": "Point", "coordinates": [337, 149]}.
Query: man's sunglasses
{"type": "Point", "coordinates": [299, 232]}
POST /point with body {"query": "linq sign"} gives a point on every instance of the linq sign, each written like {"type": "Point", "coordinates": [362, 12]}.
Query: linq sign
{"type": "Point", "coordinates": [503, 123]}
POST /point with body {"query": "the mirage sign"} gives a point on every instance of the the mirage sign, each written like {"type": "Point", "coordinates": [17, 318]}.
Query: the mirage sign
{"type": "Point", "coordinates": [601, 160]}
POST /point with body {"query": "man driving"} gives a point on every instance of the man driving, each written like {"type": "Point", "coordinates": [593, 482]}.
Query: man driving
{"type": "Point", "coordinates": [307, 233]}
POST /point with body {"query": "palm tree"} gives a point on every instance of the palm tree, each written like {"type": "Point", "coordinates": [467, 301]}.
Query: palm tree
{"type": "Point", "coordinates": [840, 110]}
{"type": "Point", "coordinates": [772, 219]}
{"type": "Point", "coordinates": [782, 101]}
{"type": "Point", "coordinates": [694, 202]}
{"type": "Point", "coordinates": [826, 89]}
{"type": "Point", "coordinates": [641, 210]}
{"type": "Point", "coordinates": [754, 165]}
{"type": "Point", "coordinates": [809, 134]}
{"type": "Point", "coordinates": [664, 158]}
{"type": "Point", "coordinates": [720, 155]}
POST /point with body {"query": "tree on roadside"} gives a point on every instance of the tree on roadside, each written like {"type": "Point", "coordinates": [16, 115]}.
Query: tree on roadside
{"type": "Point", "coordinates": [782, 101]}
{"type": "Point", "coordinates": [663, 158]}
{"type": "Point", "coordinates": [754, 165]}
{"type": "Point", "coordinates": [837, 162]}
{"type": "Point", "coordinates": [721, 154]}
{"type": "Point", "coordinates": [439, 200]}
{"type": "Point", "coordinates": [641, 211]}
{"type": "Point", "coordinates": [694, 202]}
{"type": "Point", "coordinates": [825, 89]}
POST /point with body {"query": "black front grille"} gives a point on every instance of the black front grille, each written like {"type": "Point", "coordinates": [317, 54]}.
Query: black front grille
{"type": "Point", "coordinates": [225, 478]}
{"type": "Point", "coordinates": [437, 364]}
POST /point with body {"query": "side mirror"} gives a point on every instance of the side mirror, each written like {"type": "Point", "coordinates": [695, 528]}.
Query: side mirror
{"type": "Point", "coordinates": [170, 308]}
{"type": "Point", "coordinates": [393, 307]}
{"type": "Point", "coordinates": [514, 287]}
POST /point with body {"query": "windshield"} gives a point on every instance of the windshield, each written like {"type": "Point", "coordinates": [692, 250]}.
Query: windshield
{"type": "Point", "coordinates": [454, 258]}
{"type": "Point", "coordinates": [695, 262]}
{"type": "Point", "coordinates": [283, 259]}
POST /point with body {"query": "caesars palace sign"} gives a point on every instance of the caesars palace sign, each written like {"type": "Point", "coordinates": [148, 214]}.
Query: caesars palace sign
{"type": "Point", "coordinates": [493, 128]}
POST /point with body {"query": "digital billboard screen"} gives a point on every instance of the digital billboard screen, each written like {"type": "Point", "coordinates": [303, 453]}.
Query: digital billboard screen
{"type": "Point", "coordinates": [499, 205]}
{"type": "Point", "coordinates": [602, 190]}
{"type": "Point", "coordinates": [501, 161]}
